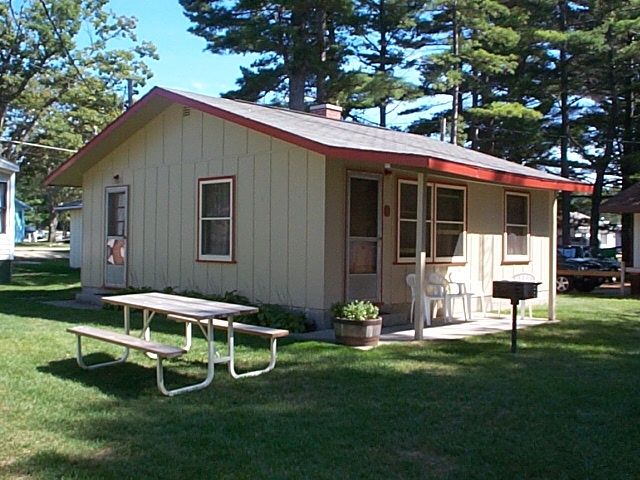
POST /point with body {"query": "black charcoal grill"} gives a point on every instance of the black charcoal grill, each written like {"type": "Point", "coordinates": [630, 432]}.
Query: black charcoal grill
{"type": "Point", "coordinates": [515, 291]}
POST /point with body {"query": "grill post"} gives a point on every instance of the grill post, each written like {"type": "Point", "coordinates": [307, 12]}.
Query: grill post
{"type": "Point", "coordinates": [515, 291]}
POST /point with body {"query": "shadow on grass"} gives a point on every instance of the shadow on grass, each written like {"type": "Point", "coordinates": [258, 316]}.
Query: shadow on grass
{"type": "Point", "coordinates": [352, 414]}
{"type": "Point", "coordinates": [130, 379]}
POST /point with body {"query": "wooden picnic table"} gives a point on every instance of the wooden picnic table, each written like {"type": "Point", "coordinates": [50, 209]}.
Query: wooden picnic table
{"type": "Point", "coordinates": [207, 314]}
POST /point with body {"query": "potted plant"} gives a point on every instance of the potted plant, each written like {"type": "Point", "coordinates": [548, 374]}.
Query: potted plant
{"type": "Point", "coordinates": [356, 323]}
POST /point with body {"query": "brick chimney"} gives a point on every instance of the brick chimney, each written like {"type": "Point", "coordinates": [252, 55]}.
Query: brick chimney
{"type": "Point", "coordinates": [327, 110]}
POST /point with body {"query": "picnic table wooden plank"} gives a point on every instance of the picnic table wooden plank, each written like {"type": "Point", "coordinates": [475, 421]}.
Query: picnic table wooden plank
{"type": "Point", "coordinates": [264, 332]}
{"type": "Point", "coordinates": [167, 351]}
{"type": "Point", "coordinates": [189, 307]}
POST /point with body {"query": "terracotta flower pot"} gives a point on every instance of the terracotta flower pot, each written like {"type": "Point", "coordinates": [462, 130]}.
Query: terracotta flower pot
{"type": "Point", "coordinates": [357, 333]}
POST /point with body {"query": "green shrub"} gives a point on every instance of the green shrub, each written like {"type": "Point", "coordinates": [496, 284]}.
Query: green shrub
{"type": "Point", "coordinates": [270, 315]}
{"type": "Point", "coordinates": [276, 316]}
{"type": "Point", "coordinates": [355, 310]}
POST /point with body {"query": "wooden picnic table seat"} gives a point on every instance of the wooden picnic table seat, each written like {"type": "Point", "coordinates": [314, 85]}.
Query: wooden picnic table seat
{"type": "Point", "coordinates": [160, 350]}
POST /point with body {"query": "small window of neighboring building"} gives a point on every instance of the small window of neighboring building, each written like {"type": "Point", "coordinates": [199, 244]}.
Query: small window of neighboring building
{"type": "Point", "coordinates": [516, 227]}
{"type": "Point", "coordinates": [216, 217]}
{"type": "Point", "coordinates": [3, 206]}
{"type": "Point", "coordinates": [445, 227]}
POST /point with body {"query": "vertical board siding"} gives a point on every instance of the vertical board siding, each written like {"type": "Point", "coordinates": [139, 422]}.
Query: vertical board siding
{"type": "Point", "coordinates": [334, 235]}
{"type": "Point", "coordinates": [172, 135]}
{"type": "Point", "coordinates": [279, 239]}
{"type": "Point", "coordinates": [188, 218]}
{"type": "Point", "coordinates": [297, 239]}
{"type": "Point", "coordinates": [163, 228]}
{"type": "Point", "coordinates": [262, 227]}
{"type": "Point", "coordinates": [192, 138]}
{"type": "Point", "coordinates": [200, 270]}
{"type": "Point", "coordinates": [138, 236]}
{"type": "Point", "coordinates": [150, 225]}
{"type": "Point", "coordinates": [235, 141]}
{"type": "Point", "coordinates": [315, 234]}
{"type": "Point", "coordinates": [75, 239]}
{"type": "Point", "coordinates": [174, 259]}
{"type": "Point", "coordinates": [212, 138]}
{"type": "Point", "coordinates": [245, 218]}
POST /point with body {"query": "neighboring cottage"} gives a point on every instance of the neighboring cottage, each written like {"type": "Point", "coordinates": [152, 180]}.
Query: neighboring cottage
{"type": "Point", "coordinates": [627, 201]}
{"type": "Point", "coordinates": [20, 223]}
{"type": "Point", "coordinates": [75, 228]}
{"type": "Point", "coordinates": [215, 195]}
{"type": "Point", "coordinates": [7, 217]}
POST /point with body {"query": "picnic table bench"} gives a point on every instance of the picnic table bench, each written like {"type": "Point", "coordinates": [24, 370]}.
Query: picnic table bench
{"type": "Point", "coordinates": [160, 350]}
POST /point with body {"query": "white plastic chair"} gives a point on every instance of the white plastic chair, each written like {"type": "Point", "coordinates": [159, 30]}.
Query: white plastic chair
{"type": "Point", "coordinates": [428, 300]}
{"type": "Point", "coordinates": [474, 288]}
{"type": "Point", "coordinates": [450, 291]}
{"type": "Point", "coordinates": [522, 277]}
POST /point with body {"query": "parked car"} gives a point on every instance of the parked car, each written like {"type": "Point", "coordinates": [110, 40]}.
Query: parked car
{"type": "Point", "coordinates": [602, 256]}
{"type": "Point", "coordinates": [582, 283]}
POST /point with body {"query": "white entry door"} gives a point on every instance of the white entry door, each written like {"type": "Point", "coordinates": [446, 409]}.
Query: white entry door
{"type": "Point", "coordinates": [116, 229]}
{"type": "Point", "coordinates": [364, 237]}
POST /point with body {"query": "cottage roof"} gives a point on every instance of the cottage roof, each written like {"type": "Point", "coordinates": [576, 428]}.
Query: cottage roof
{"type": "Point", "coordinates": [332, 138]}
{"type": "Point", "coordinates": [6, 165]}
{"type": "Point", "coordinates": [627, 201]}
{"type": "Point", "coordinates": [75, 205]}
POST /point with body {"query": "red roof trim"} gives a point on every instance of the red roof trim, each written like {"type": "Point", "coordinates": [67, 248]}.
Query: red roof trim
{"type": "Point", "coordinates": [478, 173]}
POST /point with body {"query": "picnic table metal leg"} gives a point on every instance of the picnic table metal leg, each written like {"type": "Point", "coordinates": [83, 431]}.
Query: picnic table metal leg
{"type": "Point", "coordinates": [253, 373]}
{"type": "Point", "coordinates": [210, 368]}
{"type": "Point", "coordinates": [84, 366]}
{"type": "Point", "coordinates": [125, 354]}
{"type": "Point", "coordinates": [147, 316]}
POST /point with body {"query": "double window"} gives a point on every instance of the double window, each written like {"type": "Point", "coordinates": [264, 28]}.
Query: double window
{"type": "Point", "coordinates": [516, 227]}
{"type": "Point", "coordinates": [3, 206]}
{"type": "Point", "coordinates": [445, 229]}
{"type": "Point", "coordinates": [216, 217]}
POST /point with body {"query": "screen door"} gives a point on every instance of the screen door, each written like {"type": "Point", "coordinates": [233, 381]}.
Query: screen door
{"type": "Point", "coordinates": [364, 237]}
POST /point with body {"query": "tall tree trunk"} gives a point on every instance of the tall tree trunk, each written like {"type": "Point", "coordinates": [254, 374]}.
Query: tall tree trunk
{"type": "Point", "coordinates": [322, 94]}
{"type": "Point", "coordinates": [456, 88]}
{"type": "Point", "coordinates": [382, 104]}
{"type": "Point", "coordinates": [603, 163]}
{"type": "Point", "coordinates": [629, 164]}
{"type": "Point", "coordinates": [473, 127]}
{"type": "Point", "coordinates": [565, 130]}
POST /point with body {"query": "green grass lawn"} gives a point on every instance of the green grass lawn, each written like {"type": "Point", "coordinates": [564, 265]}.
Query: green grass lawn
{"type": "Point", "coordinates": [566, 406]}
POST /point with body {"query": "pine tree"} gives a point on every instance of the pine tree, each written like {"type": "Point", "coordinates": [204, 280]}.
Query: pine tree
{"type": "Point", "coordinates": [290, 36]}
{"type": "Point", "coordinates": [382, 41]}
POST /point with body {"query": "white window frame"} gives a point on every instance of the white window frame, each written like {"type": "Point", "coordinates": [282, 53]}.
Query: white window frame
{"type": "Point", "coordinates": [510, 257]}
{"type": "Point", "coordinates": [230, 218]}
{"type": "Point", "coordinates": [4, 211]}
{"type": "Point", "coordinates": [462, 258]}
{"type": "Point", "coordinates": [432, 223]}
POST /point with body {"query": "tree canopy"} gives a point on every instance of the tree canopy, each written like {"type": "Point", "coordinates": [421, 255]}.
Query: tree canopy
{"type": "Point", "coordinates": [61, 82]}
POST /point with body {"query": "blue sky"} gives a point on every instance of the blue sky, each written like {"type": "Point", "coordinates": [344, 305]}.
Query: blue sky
{"type": "Point", "coordinates": [183, 62]}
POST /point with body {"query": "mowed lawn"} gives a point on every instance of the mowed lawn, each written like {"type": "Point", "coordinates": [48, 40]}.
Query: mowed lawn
{"type": "Point", "coordinates": [566, 406]}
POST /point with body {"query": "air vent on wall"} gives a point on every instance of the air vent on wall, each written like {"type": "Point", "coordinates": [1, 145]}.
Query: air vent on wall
{"type": "Point", "coordinates": [186, 111]}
